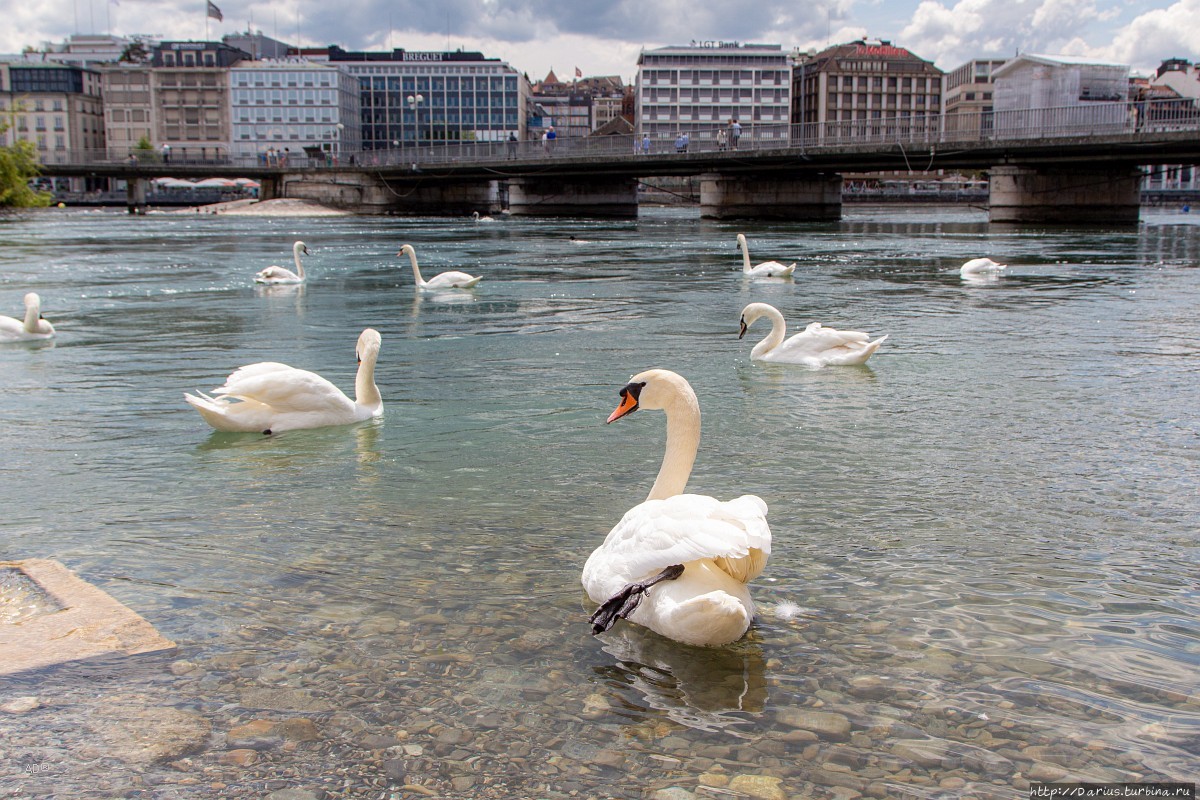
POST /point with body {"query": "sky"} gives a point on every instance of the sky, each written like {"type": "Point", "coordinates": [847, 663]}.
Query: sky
{"type": "Point", "coordinates": [604, 38]}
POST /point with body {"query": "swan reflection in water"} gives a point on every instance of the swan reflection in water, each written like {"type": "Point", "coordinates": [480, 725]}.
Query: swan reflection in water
{"type": "Point", "coordinates": [706, 688]}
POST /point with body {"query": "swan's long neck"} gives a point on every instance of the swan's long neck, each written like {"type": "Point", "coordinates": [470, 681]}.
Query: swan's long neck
{"type": "Point", "coordinates": [412, 258]}
{"type": "Point", "coordinates": [775, 337]}
{"type": "Point", "coordinates": [683, 440]}
{"type": "Point", "coordinates": [366, 393]}
{"type": "Point", "coordinates": [296, 258]}
{"type": "Point", "coordinates": [745, 254]}
{"type": "Point", "coordinates": [33, 312]}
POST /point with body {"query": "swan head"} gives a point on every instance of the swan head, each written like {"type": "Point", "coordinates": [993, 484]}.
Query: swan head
{"type": "Point", "coordinates": [475, 215]}
{"type": "Point", "coordinates": [407, 250]}
{"type": "Point", "coordinates": [653, 389]}
{"type": "Point", "coordinates": [300, 247]}
{"type": "Point", "coordinates": [741, 239]}
{"type": "Point", "coordinates": [751, 314]}
{"type": "Point", "coordinates": [33, 301]}
{"type": "Point", "coordinates": [368, 345]}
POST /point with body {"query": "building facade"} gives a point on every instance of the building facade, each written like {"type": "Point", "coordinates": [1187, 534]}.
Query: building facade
{"type": "Point", "coordinates": [968, 98]}
{"type": "Point", "coordinates": [57, 107]}
{"type": "Point", "coordinates": [863, 84]}
{"type": "Point", "coordinates": [456, 97]}
{"type": "Point", "coordinates": [190, 87]}
{"type": "Point", "coordinates": [1039, 95]}
{"type": "Point", "coordinates": [699, 88]}
{"type": "Point", "coordinates": [283, 106]}
{"type": "Point", "coordinates": [130, 114]}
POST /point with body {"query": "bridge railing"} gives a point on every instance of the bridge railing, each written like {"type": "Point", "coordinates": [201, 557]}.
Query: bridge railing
{"type": "Point", "coordinates": [1087, 119]}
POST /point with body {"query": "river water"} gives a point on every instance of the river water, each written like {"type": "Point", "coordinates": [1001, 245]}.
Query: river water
{"type": "Point", "coordinates": [985, 541]}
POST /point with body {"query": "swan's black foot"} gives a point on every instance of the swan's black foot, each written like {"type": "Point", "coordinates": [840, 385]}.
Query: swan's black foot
{"type": "Point", "coordinates": [622, 604]}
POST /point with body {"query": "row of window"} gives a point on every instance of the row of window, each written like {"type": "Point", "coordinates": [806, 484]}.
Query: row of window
{"type": "Point", "coordinates": [291, 97]}
{"type": "Point", "coordinates": [274, 79]}
{"type": "Point", "coordinates": [706, 113]}
{"type": "Point", "coordinates": [478, 100]}
{"type": "Point", "coordinates": [408, 83]}
{"type": "Point", "coordinates": [411, 69]}
{"type": "Point", "coordinates": [284, 115]}
{"type": "Point", "coordinates": [878, 82]}
{"type": "Point", "coordinates": [732, 60]}
{"type": "Point", "coordinates": [863, 100]}
{"type": "Point", "coordinates": [720, 95]}
{"type": "Point", "coordinates": [452, 117]}
{"type": "Point", "coordinates": [710, 77]}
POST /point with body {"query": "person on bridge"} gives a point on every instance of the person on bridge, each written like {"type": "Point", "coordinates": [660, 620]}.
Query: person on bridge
{"type": "Point", "coordinates": [512, 145]}
{"type": "Point", "coordinates": [166, 153]}
{"type": "Point", "coordinates": [735, 133]}
{"type": "Point", "coordinates": [646, 144]}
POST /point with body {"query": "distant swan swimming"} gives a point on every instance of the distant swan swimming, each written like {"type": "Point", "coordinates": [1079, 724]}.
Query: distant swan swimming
{"type": "Point", "coordinates": [269, 397]}
{"type": "Point", "coordinates": [767, 269]}
{"type": "Point", "coordinates": [279, 275]}
{"type": "Point", "coordinates": [30, 328]}
{"type": "Point", "coordinates": [981, 266]}
{"type": "Point", "coordinates": [446, 280]}
{"type": "Point", "coordinates": [477, 218]}
{"type": "Point", "coordinates": [815, 346]}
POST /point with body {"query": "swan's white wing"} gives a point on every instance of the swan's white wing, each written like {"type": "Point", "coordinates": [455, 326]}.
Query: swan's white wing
{"type": "Point", "coordinates": [772, 268]}
{"type": "Point", "coordinates": [817, 339]}
{"type": "Point", "coordinates": [976, 265]}
{"type": "Point", "coordinates": [452, 279]}
{"type": "Point", "coordinates": [286, 388]}
{"type": "Point", "coordinates": [658, 533]}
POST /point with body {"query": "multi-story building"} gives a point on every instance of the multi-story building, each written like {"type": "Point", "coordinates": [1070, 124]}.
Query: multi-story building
{"type": "Point", "coordinates": [292, 104]}
{"type": "Point", "coordinates": [455, 96]}
{"type": "Point", "coordinates": [1039, 95]}
{"type": "Point", "coordinates": [967, 99]}
{"type": "Point", "coordinates": [866, 81]}
{"type": "Point", "coordinates": [699, 88]}
{"type": "Point", "coordinates": [190, 86]}
{"type": "Point", "coordinates": [130, 113]}
{"type": "Point", "coordinates": [57, 107]}
{"type": "Point", "coordinates": [577, 108]}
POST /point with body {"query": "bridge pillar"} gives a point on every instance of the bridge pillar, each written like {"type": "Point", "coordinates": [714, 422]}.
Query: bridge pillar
{"type": "Point", "coordinates": [770, 197]}
{"type": "Point", "coordinates": [135, 195]}
{"type": "Point", "coordinates": [560, 197]}
{"type": "Point", "coordinates": [268, 188]}
{"type": "Point", "coordinates": [1076, 195]}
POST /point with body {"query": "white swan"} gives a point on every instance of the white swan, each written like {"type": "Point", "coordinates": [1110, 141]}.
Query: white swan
{"type": "Point", "coordinates": [447, 280]}
{"type": "Point", "coordinates": [279, 275]}
{"type": "Point", "coordinates": [767, 269]}
{"type": "Point", "coordinates": [477, 218]}
{"type": "Point", "coordinates": [272, 397]}
{"type": "Point", "coordinates": [980, 266]}
{"type": "Point", "coordinates": [32, 327]}
{"type": "Point", "coordinates": [815, 346]}
{"type": "Point", "coordinates": [699, 551]}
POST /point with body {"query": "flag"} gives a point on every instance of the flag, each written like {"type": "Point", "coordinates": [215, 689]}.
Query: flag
{"type": "Point", "coordinates": [578, 74]}
{"type": "Point", "coordinates": [214, 12]}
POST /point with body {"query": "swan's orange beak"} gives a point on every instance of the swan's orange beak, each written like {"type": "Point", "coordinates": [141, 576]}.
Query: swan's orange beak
{"type": "Point", "coordinates": [629, 404]}
{"type": "Point", "coordinates": [745, 327]}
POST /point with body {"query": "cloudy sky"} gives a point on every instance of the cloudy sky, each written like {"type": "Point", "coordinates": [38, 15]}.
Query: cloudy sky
{"type": "Point", "coordinates": [604, 38]}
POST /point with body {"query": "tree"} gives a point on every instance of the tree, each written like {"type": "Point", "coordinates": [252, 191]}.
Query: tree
{"type": "Point", "coordinates": [135, 52]}
{"type": "Point", "coordinates": [18, 165]}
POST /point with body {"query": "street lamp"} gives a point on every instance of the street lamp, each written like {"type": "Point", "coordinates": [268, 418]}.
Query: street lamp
{"type": "Point", "coordinates": [414, 102]}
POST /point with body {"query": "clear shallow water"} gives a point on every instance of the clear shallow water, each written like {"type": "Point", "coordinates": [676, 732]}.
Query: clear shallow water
{"type": "Point", "coordinates": [985, 542]}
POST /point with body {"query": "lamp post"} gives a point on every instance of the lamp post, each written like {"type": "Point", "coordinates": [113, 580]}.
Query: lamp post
{"type": "Point", "coordinates": [414, 102]}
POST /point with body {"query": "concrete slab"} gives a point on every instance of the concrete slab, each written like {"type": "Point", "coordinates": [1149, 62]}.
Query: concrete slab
{"type": "Point", "coordinates": [52, 616]}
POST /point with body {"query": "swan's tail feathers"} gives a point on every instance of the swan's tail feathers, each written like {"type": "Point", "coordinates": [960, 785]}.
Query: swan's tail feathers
{"type": "Point", "coordinates": [211, 409]}
{"type": "Point", "coordinates": [623, 603]}
{"type": "Point", "coordinates": [470, 283]}
{"type": "Point", "coordinates": [788, 270]}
